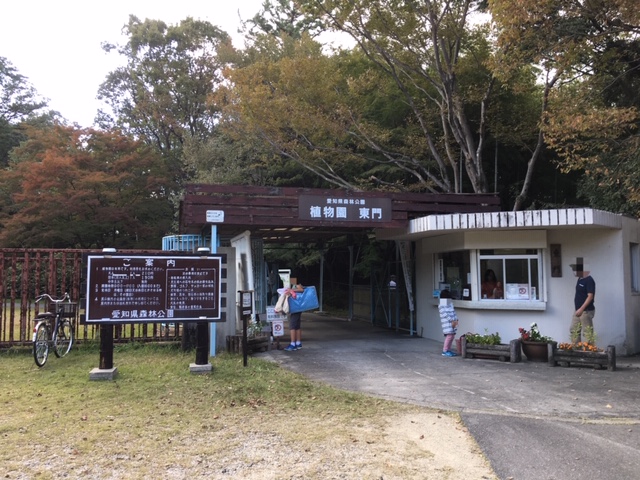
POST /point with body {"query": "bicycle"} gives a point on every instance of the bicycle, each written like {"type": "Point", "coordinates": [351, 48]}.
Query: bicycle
{"type": "Point", "coordinates": [53, 328]}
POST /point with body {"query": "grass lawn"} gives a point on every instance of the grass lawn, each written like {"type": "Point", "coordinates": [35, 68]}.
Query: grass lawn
{"type": "Point", "coordinates": [158, 420]}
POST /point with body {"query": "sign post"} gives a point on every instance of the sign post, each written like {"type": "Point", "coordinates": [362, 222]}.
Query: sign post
{"type": "Point", "coordinates": [246, 310]}
{"type": "Point", "coordinates": [277, 324]}
{"type": "Point", "coordinates": [152, 288]}
{"type": "Point", "coordinates": [214, 217]}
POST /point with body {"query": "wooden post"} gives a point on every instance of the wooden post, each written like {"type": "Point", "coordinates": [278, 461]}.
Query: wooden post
{"type": "Point", "coordinates": [515, 351]}
{"type": "Point", "coordinates": [106, 346]}
{"type": "Point", "coordinates": [245, 347]}
{"type": "Point", "coordinates": [611, 358]}
{"type": "Point", "coordinates": [463, 346]}
{"type": "Point", "coordinates": [202, 343]}
{"type": "Point", "coordinates": [551, 353]}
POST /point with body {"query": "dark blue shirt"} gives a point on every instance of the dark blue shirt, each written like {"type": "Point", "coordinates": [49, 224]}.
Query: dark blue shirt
{"type": "Point", "coordinates": [585, 286]}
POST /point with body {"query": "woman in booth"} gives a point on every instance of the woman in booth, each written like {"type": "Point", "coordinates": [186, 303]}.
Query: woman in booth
{"type": "Point", "coordinates": [490, 285]}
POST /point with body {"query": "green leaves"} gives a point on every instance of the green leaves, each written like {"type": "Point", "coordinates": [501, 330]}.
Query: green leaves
{"type": "Point", "coordinates": [161, 95]}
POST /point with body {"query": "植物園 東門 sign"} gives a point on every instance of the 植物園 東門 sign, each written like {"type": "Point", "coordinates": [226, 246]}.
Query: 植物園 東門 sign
{"type": "Point", "coordinates": [343, 208]}
{"type": "Point", "coordinates": [153, 288]}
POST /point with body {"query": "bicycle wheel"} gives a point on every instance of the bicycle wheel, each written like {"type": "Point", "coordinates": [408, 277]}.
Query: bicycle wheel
{"type": "Point", "coordinates": [63, 338]}
{"type": "Point", "coordinates": [41, 344]}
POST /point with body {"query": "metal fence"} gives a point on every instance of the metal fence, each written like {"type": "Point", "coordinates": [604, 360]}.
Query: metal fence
{"type": "Point", "coordinates": [27, 273]}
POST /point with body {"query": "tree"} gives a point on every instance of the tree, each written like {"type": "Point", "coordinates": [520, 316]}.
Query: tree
{"type": "Point", "coordinates": [589, 51]}
{"type": "Point", "coordinates": [19, 102]}
{"type": "Point", "coordinates": [225, 159]}
{"type": "Point", "coordinates": [280, 18]}
{"type": "Point", "coordinates": [406, 110]}
{"type": "Point", "coordinates": [160, 96]}
{"type": "Point", "coordinates": [420, 45]}
{"type": "Point", "coordinates": [84, 188]}
{"type": "Point", "coordinates": [294, 105]}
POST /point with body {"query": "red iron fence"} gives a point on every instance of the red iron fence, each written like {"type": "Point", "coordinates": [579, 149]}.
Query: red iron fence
{"type": "Point", "coordinates": [27, 273]}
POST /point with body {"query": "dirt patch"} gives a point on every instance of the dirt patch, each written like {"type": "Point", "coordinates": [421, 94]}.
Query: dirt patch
{"type": "Point", "coordinates": [412, 445]}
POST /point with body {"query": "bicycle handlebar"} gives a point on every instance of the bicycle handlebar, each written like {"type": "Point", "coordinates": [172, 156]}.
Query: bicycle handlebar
{"type": "Point", "coordinates": [39, 298]}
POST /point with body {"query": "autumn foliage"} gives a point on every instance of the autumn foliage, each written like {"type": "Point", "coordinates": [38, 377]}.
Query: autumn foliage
{"type": "Point", "coordinates": [84, 188]}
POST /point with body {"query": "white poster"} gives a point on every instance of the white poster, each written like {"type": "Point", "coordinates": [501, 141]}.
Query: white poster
{"type": "Point", "coordinates": [517, 291]}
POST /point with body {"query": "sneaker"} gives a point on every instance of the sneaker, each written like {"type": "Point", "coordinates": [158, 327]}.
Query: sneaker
{"type": "Point", "coordinates": [452, 354]}
{"type": "Point", "coordinates": [449, 353]}
{"type": "Point", "coordinates": [290, 348]}
{"type": "Point", "coordinates": [298, 346]}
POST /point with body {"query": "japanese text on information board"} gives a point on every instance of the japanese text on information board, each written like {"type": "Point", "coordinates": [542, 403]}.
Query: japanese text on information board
{"type": "Point", "coordinates": [153, 288]}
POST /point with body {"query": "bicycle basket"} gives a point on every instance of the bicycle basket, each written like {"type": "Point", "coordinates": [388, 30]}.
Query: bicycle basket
{"type": "Point", "coordinates": [66, 309]}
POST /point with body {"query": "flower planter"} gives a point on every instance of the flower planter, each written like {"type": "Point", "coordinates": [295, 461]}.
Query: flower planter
{"type": "Point", "coordinates": [597, 360]}
{"type": "Point", "coordinates": [502, 352]}
{"type": "Point", "coordinates": [536, 351]}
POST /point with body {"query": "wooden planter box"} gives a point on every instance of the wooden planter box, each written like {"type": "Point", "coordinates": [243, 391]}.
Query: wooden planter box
{"type": "Point", "coordinates": [254, 344]}
{"type": "Point", "coordinates": [597, 360]}
{"type": "Point", "coordinates": [503, 352]}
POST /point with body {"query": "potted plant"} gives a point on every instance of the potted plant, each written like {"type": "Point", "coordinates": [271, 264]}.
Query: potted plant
{"type": "Point", "coordinates": [535, 346]}
{"type": "Point", "coordinates": [489, 345]}
{"type": "Point", "coordinates": [584, 353]}
{"type": "Point", "coordinates": [258, 338]}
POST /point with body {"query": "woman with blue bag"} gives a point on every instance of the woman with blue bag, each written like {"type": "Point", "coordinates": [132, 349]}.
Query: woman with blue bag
{"type": "Point", "coordinates": [295, 321]}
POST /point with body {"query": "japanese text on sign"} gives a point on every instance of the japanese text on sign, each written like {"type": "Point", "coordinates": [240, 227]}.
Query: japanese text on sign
{"type": "Point", "coordinates": [152, 289]}
{"type": "Point", "coordinates": [315, 207]}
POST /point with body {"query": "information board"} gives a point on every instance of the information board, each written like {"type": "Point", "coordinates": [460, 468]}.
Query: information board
{"type": "Point", "coordinates": [153, 288]}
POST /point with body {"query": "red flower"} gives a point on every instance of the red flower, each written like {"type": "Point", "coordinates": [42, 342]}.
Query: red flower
{"type": "Point", "coordinates": [533, 335]}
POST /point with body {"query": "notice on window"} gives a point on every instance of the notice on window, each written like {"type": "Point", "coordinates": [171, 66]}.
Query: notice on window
{"type": "Point", "coordinates": [153, 288]}
{"type": "Point", "coordinates": [517, 291]}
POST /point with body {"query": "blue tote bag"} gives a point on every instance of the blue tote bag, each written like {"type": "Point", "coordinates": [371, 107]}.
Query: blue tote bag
{"type": "Point", "coordinates": [304, 301]}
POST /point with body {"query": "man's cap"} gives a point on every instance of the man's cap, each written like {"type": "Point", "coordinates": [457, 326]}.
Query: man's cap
{"type": "Point", "coordinates": [579, 266]}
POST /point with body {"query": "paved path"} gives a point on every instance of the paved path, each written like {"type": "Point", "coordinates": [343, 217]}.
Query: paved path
{"type": "Point", "coordinates": [532, 421]}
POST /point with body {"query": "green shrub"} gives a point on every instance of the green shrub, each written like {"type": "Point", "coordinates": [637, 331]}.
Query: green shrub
{"type": "Point", "coordinates": [486, 339]}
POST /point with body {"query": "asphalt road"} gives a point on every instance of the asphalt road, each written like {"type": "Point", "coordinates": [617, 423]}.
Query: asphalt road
{"type": "Point", "coordinates": [532, 421]}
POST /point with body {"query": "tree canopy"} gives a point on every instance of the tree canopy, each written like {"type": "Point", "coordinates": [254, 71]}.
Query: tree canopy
{"type": "Point", "coordinates": [19, 103]}
{"type": "Point", "coordinates": [412, 107]}
{"type": "Point", "coordinates": [161, 95]}
{"type": "Point", "coordinates": [592, 51]}
{"type": "Point", "coordinates": [435, 96]}
{"type": "Point", "coordinates": [84, 188]}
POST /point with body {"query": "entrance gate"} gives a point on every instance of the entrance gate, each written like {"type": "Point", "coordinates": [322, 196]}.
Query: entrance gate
{"type": "Point", "coordinates": [301, 215]}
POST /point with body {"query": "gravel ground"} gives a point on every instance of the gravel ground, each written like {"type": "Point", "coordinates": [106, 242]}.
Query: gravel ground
{"type": "Point", "coordinates": [415, 444]}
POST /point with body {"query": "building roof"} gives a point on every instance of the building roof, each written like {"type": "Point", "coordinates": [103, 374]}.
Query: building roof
{"type": "Point", "coordinates": [438, 224]}
{"type": "Point", "coordinates": [281, 214]}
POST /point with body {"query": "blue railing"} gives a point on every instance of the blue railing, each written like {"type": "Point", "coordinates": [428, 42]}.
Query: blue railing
{"type": "Point", "coordinates": [185, 243]}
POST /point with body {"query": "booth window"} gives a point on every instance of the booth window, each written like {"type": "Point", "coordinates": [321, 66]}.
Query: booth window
{"type": "Point", "coordinates": [509, 274]}
{"type": "Point", "coordinates": [452, 273]}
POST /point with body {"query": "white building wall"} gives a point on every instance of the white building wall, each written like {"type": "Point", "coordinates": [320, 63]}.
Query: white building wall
{"type": "Point", "coordinates": [631, 234]}
{"type": "Point", "coordinates": [604, 250]}
{"type": "Point", "coordinates": [602, 253]}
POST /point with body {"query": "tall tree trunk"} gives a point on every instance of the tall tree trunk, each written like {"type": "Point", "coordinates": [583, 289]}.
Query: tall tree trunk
{"type": "Point", "coordinates": [531, 164]}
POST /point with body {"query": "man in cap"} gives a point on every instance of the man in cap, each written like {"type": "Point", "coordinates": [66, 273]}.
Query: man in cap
{"type": "Point", "coordinates": [584, 301]}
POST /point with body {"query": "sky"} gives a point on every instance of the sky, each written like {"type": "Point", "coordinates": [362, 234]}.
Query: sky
{"type": "Point", "coordinates": [56, 44]}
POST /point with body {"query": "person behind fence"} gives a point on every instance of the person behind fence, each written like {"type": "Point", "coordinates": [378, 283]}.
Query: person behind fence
{"type": "Point", "coordinates": [449, 321]}
{"type": "Point", "coordinates": [295, 321]}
